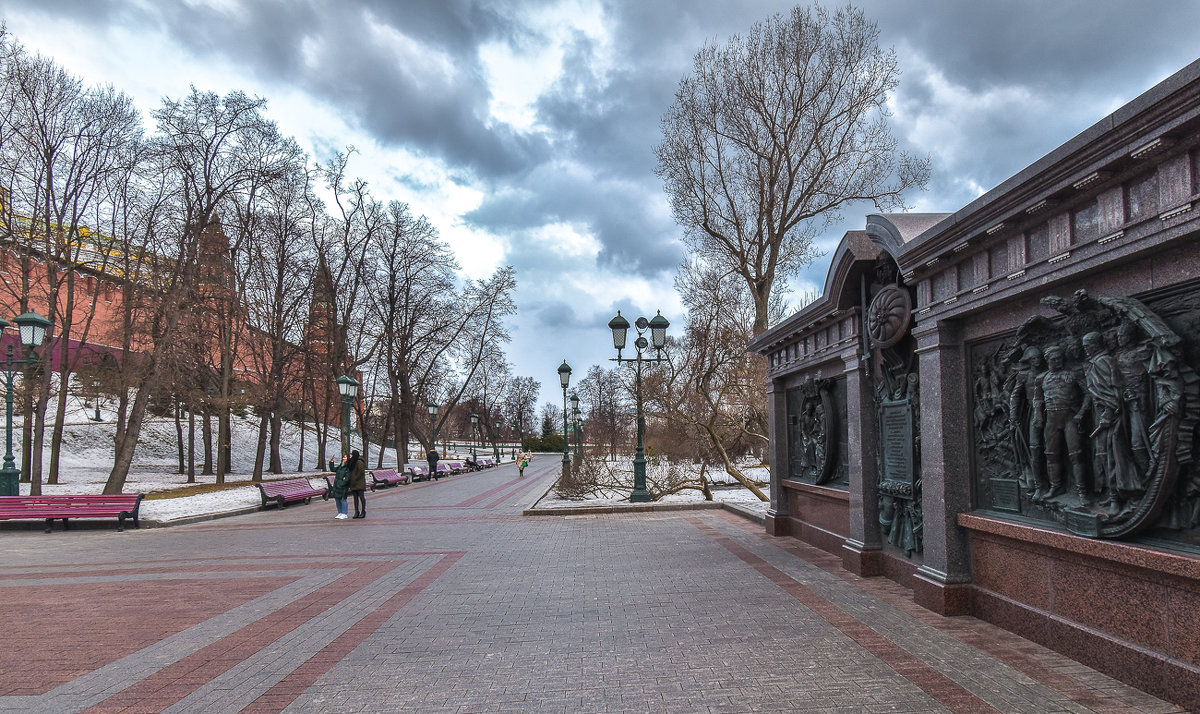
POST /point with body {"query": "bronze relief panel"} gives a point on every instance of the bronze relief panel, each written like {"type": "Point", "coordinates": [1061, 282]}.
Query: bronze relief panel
{"type": "Point", "coordinates": [1087, 418]}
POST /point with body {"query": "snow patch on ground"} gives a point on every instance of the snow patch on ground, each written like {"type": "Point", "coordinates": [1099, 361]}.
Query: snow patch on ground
{"type": "Point", "coordinates": [723, 487]}
{"type": "Point", "coordinates": [87, 455]}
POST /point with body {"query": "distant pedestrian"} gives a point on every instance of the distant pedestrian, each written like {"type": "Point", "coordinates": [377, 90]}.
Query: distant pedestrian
{"type": "Point", "coordinates": [358, 483]}
{"type": "Point", "coordinates": [522, 462]}
{"type": "Point", "coordinates": [432, 458]}
{"type": "Point", "coordinates": [341, 486]}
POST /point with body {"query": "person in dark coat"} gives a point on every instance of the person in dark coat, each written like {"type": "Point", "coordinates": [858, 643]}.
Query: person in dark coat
{"type": "Point", "coordinates": [358, 483]}
{"type": "Point", "coordinates": [341, 486]}
{"type": "Point", "coordinates": [432, 458]}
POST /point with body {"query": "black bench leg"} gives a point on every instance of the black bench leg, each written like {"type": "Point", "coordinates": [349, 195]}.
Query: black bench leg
{"type": "Point", "coordinates": [50, 524]}
{"type": "Point", "coordinates": [121, 523]}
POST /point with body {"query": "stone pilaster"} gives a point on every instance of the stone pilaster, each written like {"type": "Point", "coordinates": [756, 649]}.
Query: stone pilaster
{"type": "Point", "coordinates": [862, 551]}
{"type": "Point", "coordinates": [941, 584]}
{"type": "Point", "coordinates": [777, 513]}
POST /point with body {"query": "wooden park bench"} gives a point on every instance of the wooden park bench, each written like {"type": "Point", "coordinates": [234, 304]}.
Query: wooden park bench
{"type": "Point", "coordinates": [443, 470]}
{"type": "Point", "coordinates": [456, 467]}
{"type": "Point", "coordinates": [487, 463]}
{"type": "Point", "coordinates": [384, 478]}
{"type": "Point", "coordinates": [281, 493]}
{"type": "Point", "coordinates": [417, 472]}
{"type": "Point", "coordinates": [65, 505]}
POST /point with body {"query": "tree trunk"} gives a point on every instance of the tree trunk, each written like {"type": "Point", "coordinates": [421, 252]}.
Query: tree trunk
{"type": "Point", "coordinates": [124, 455]}
{"type": "Point", "coordinates": [27, 431]}
{"type": "Point", "coordinates": [60, 418]}
{"type": "Point", "coordinates": [122, 415]}
{"type": "Point", "coordinates": [322, 435]}
{"type": "Point", "coordinates": [191, 447]}
{"type": "Point", "coordinates": [303, 433]}
{"type": "Point", "coordinates": [223, 446]}
{"type": "Point", "coordinates": [387, 426]}
{"type": "Point", "coordinates": [179, 435]}
{"type": "Point", "coordinates": [362, 430]}
{"type": "Point", "coordinates": [276, 437]}
{"type": "Point", "coordinates": [260, 450]}
{"type": "Point", "coordinates": [206, 434]}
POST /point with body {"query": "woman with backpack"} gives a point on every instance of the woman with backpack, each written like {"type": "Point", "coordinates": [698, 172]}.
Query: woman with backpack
{"type": "Point", "coordinates": [341, 486]}
{"type": "Point", "coordinates": [358, 483]}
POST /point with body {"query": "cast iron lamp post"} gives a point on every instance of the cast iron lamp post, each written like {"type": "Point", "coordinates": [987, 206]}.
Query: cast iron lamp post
{"type": "Point", "coordinates": [579, 433]}
{"type": "Point", "coordinates": [564, 378]}
{"type": "Point", "coordinates": [496, 441]}
{"type": "Point", "coordinates": [575, 423]}
{"type": "Point", "coordinates": [96, 398]}
{"type": "Point", "coordinates": [520, 430]}
{"type": "Point", "coordinates": [433, 409]}
{"type": "Point", "coordinates": [474, 434]}
{"type": "Point", "coordinates": [658, 339]}
{"type": "Point", "coordinates": [32, 328]}
{"type": "Point", "coordinates": [348, 388]}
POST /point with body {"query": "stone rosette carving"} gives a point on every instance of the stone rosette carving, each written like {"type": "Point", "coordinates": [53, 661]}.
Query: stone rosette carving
{"type": "Point", "coordinates": [889, 315]}
{"type": "Point", "coordinates": [1091, 412]}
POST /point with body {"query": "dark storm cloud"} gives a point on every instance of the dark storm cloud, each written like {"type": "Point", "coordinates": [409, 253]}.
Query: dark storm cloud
{"type": "Point", "coordinates": [1092, 45]}
{"type": "Point", "coordinates": [438, 109]}
{"type": "Point", "coordinates": [634, 233]}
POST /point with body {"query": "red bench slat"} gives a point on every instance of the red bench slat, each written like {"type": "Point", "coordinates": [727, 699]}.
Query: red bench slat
{"type": "Point", "coordinates": [281, 493]}
{"type": "Point", "coordinates": [73, 505]}
{"type": "Point", "coordinates": [388, 477]}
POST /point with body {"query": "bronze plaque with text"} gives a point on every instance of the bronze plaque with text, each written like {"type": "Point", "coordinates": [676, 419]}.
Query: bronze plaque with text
{"type": "Point", "coordinates": [896, 427]}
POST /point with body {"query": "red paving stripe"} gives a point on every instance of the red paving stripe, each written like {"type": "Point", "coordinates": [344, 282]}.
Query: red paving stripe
{"type": "Point", "coordinates": [302, 561]}
{"type": "Point", "coordinates": [479, 497]}
{"type": "Point", "coordinates": [373, 521]}
{"type": "Point", "coordinates": [175, 681]}
{"type": "Point", "coordinates": [946, 691]}
{"type": "Point", "coordinates": [285, 692]}
{"type": "Point", "coordinates": [67, 630]}
{"type": "Point", "coordinates": [188, 574]}
{"type": "Point", "coordinates": [520, 487]}
{"type": "Point", "coordinates": [1044, 666]}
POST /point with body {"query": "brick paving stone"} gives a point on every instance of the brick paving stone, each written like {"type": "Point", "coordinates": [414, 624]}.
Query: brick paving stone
{"type": "Point", "coordinates": [446, 599]}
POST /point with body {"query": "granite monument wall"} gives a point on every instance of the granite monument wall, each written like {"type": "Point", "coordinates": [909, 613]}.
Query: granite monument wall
{"type": "Point", "coordinates": [1021, 391]}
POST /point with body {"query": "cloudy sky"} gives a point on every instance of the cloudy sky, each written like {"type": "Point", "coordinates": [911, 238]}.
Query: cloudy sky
{"type": "Point", "coordinates": [524, 129]}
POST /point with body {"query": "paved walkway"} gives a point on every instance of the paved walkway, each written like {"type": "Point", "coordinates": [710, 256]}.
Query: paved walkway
{"type": "Point", "coordinates": [446, 599]}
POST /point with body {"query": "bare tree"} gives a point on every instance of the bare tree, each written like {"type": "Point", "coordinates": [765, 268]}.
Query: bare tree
{"type": "Point", "coordinates": [63, 144]}
{"type": "Point", "coordinates": [520, 404]}
{"type": "Point", "coordinates": [278, 158]}
{"type": "Point", "coordinates": [710, 389]}
{"type": "Point", "coordinates": [773, 134]}
{"type": "Point", "coordinates": [278, 288]}
{"type": "Point", "coordinates": [488, 390]}
{"type": "Point", "coordinates": [606, 399]}
{"type": "Point", "coordinates": [413, 271]}
{"type": "Point", "coordinates": [345, 242]}
{"type": "Point", "coordinates": [208, 148]}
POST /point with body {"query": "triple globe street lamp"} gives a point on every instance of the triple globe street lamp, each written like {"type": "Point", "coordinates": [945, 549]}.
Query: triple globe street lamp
{"type": "Point", "coordinates": [433, 410]}
{"type": "Point", "coordinates": [564, 378]}
{"type": "Point", "coordinates": [32, 330]}
{"type": "Point", "coordinates": [348, 388]}
{"type": "Point", "coordinates": [658, 340]}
